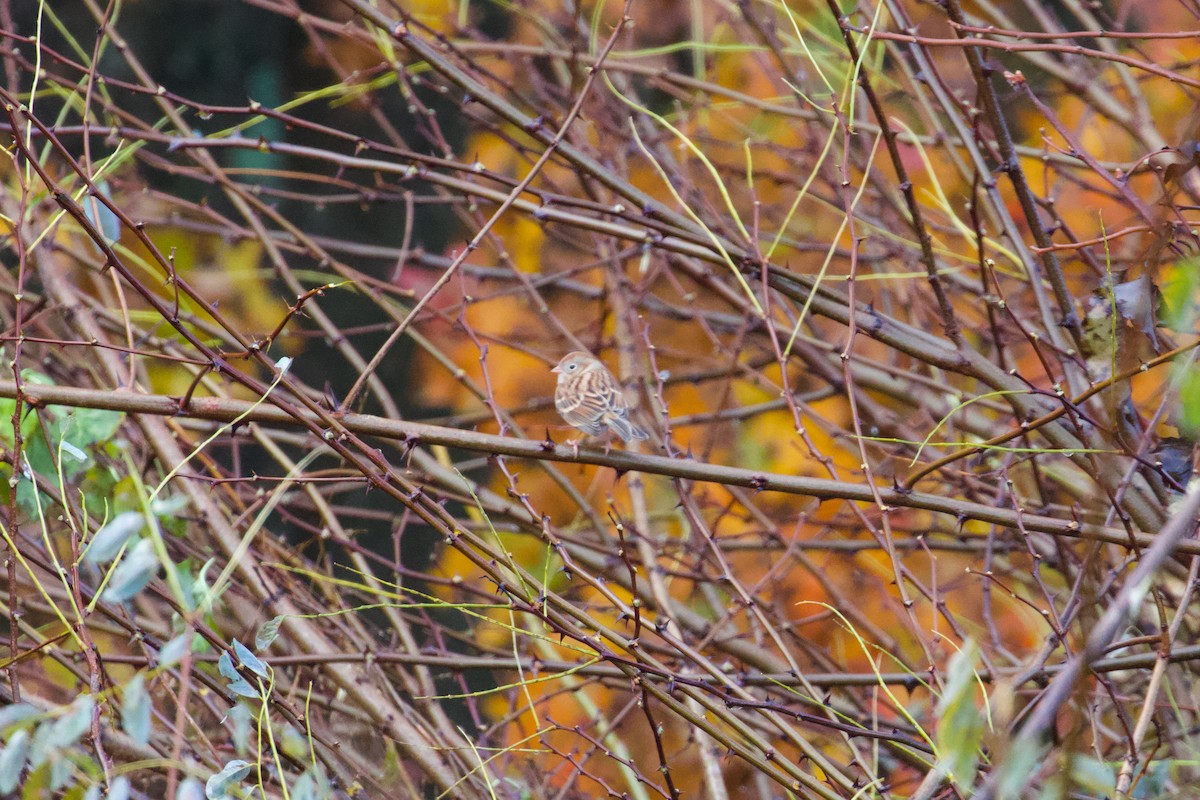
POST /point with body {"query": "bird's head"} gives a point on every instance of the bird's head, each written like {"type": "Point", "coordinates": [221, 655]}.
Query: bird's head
{"type": "Point", "coordinates": [575, 362]}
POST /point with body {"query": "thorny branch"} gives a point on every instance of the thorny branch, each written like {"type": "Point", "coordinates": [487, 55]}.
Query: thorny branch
{"type": "Point", "coordinates": [818, 246]}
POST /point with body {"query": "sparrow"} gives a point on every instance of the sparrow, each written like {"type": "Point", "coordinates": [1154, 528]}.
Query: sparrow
{"type": "Point", "coordinates": [589, 398]}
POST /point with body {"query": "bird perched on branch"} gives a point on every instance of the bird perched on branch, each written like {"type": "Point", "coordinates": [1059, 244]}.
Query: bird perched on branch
{"type": "Point", "coordinates": [589, 398]}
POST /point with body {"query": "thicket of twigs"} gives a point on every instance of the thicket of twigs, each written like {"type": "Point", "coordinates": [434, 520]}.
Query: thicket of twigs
{"type": "Point", "coordinates": [903, 292]}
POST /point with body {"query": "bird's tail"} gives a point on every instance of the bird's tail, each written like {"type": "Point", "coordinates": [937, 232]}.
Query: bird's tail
{"type": "Point", "coordinates": [626, 429]}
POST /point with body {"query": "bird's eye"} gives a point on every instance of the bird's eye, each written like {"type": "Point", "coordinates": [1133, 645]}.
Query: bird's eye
{"type": "Point", "coordinates": [572, 367]}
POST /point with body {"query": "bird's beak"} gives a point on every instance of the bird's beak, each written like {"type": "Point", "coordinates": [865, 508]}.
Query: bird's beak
{"type": "Point", "coordinates": [557, 369]}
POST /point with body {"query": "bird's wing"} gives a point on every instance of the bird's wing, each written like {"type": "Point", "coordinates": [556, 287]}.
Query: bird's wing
{"type": "Point", "coordinates": [624, 428]}
{"type": "Point", "coordinates": [579, 408]}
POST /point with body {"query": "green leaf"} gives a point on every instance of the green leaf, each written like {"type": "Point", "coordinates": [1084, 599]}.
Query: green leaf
{"type": "Point", "coordinates": [61, 771]}
{"type": "Point", "coordinates": [1153, 783]}
{"type": "Point", "coordinates": [960, 723]}
{"type": "Point", "coordinates": [226, 668]}
{"type": "Point", "coordinates": [243, 725]}
{"type": "Point", "coordinates": [268, 632]}
{"type": "Point", "coordinates": [72, 432]}
{"type": "Point", "coordinates": [312, 785]}
{"type": "Point", "coordinates": [236, 683]}
{"type": "Point", "coordinates": [217, 787]}
{"type": "Point", "coordinates": [15, 714]}
{"type": "Point", "coordinates": [135, 711]}
{"type": "Point", "coordinates": [136, 570]}
{"type": "Point", "coordinates": [68, 729]}
{"type": "Point", "coordinates": [108, 541]}
{"type": "Point", "coordinates": [172, 506]}
{"type": "Point", "coordinates": [1018, 768]}
{"type": "Point", "coordinates": [1179, 292]}
{"type": "Point", "coordinates": [1093, 775]}
{"type": "Point", "coordinates": [1189, 402]}
{"type": "Point", "coordinates": [12, 760]}
{"type": "Point", "coordinates": [36, 785]}
{"type": "Point", "coordinates": [102, 217]}
{"type": "Point", "coordinates": [119, 790]}
{"type": "Point", "coordinates": [294, 743]}
{"type": "Point", "coordinates": [86, 427]}
{"type": "Point", "coordinates": [1054, 788]}
{"type": "Point", "coordinates": [187, 583]}
{"type": "Point", "coordinates": [242, 688]}
{"type": "Point", "coordinates": [190, 789]}
{"type": "Point", "coordinates": [304, 788]}
{"type": "Point", "coordinates": [40, 748]}
{"type": "Point", "coordinates": [249, 660]}
{"type": "Point", "coordinates": [173, 651]}
{"type": "Point", "coordinates": [200, 588]}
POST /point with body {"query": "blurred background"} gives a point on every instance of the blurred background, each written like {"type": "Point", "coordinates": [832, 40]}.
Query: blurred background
{"type": "Point", "coordinates": [904, 293]}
